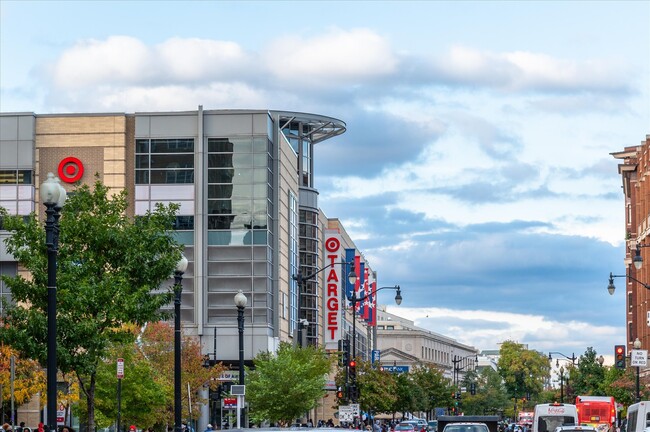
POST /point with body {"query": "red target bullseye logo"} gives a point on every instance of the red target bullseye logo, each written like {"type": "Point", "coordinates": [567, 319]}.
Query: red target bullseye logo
{"type": "Point", "coordinates": [332, 244]}
{"type": "Point", "coordinates": [70, 169]}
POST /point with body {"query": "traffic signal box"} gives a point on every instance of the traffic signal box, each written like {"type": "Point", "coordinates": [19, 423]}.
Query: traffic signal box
{"type": "Point", "coordinates": [352, 371]}
{"type": "Point", "coordinates": [619, 356]}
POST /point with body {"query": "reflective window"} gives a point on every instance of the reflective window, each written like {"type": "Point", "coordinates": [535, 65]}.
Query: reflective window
{"type": "Point", "coordinates": [16, 177]}
{"type": "Point", "coordinates": [164, 161]}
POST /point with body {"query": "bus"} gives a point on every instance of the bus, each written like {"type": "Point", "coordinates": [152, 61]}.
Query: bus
{"type": "Point", "coordinates": [548, 416]}
{"type": "Point", "coordinates": [597, 411]}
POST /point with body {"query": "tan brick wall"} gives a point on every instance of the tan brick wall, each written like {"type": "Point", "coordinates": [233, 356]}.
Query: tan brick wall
{"type": "Point", "coordinates": [99, 142]}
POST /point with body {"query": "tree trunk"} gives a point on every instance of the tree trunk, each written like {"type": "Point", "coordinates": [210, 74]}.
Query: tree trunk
{"type": "Point", "coordinates": [90, 400]}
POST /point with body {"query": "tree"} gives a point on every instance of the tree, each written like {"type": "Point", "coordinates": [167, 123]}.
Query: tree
{"type": "Point", "coordinates": [28, 378]}
{"type": "Point", "coordinates": [376, 388]}
{"type": "Point", "coordinates": [434, 385]}
{"type": "Point", "coordinates": [491, 396]}
{"type": "Point", "coordinates": [109, 273]}
{"type": "Point", "coordinates": [286, 384]}
{"type": "Point", "coordinates": [523, 371]}
{"type": "Point", "coordinates": [156, 344]}
{"type": "Point", "coordinates": [588, 377]}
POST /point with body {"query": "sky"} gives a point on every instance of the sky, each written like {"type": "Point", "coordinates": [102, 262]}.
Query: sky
{"type": "Point", "coordinates": [475, 171]}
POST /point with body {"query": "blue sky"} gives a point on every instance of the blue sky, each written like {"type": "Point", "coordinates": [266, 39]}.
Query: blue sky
{"type": "Point", "coordinates": [476, 168]}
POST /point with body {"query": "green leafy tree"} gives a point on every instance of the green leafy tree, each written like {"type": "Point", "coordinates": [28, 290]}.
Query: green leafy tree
{"type": "Point", "coordinates": [144, 395]}
{"type": "Point", "coordinates": [110, 268]}
{"type": "Point", "coordinates": [435, 387]}
{"type": "Point", "coordinates": [404, 402]}
{"type": "Point", "coordinates": [286, 384]}
{"type": "Point", "coordinates": [376, 388]}
{"type": "Point", "coordinates": [490, 398]}
{"type": "Point", "coordinates": [588, 376]}
{"type": "Point", "coordinates": [523, 371]}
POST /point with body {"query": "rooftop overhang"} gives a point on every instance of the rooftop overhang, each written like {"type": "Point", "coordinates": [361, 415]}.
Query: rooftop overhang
{"type": "Point", "coordinates": [320, 127]}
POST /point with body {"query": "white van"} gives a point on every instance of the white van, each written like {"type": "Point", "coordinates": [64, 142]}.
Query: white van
{"type": "Point", "coordinates": [638, 416]}
{"type": "Point", "coordinates": [547, 417]}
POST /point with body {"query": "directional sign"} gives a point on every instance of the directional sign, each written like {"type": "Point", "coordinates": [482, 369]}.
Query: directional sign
{"type": "Point", "coordinates": [639, 358]}
{"type": "Point", "coordinates": [346, 413]}
{"type": "Point", "coordinates": [376, 356]}
{"type": "Point", "coordinates": [356, 409]}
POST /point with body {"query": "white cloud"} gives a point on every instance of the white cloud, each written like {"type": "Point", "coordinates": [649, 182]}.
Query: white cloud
{"type": "Point", "coordinates": [521, 70]}
{"type": "Point", "coordinates": [337, 57]}
{"type": "Point", "coordinates": [485, 329]}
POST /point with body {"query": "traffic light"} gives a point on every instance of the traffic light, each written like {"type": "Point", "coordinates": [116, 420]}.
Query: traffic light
{"type": "Point", "coordinates": [472, 389]}
{"type": "Point", "coordinates": [453, 395]}
{"type": "Point", "coordinates": [619, 356]}
{"type": "Point", "coordinates": [352, 371]}
{"type": "Point", "coordinates": [346, 351]}
{"type": "Point", "coordinates": [339, 394]}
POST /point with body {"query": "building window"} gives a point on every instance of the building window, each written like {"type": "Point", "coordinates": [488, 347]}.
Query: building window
{"type": "Point", "coordinates": [293, 261]}
{"type": "Point", "coordinates": [13, 177]}
{"type": "Point", "coordinates": [164, 161]}
{"type": "Point", "coordinates": [239, 191]}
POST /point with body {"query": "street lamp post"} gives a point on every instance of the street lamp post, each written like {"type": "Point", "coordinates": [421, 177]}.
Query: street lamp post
{"type": "Point", "coordinates": [181, 266]}
{"type": "Point", "coordinates": [637, 346]}
{"type": "Point", "coordinates": [53, 196]}
{"type": "Point", "coordinates": [611, 288]}
{"type": "Point", "coordinates": [572, 359]}
{"type": "Point", "coordinates": [457, 368]}
{"type": "Point", "coordinates": [353, 301]}
{"type": "Point", "coordinates": [561, 384]}
{"type": "Point", "coordinates": [240, 301]}
{"type": "Point", "coordinates": [300, 280]}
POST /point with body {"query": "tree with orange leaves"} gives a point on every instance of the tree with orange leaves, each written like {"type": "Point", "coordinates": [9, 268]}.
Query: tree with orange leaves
{"type": "Point", "coordinates": [29, 378]}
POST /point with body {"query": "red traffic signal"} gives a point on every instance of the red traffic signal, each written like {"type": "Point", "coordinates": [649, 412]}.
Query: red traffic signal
{"type": "Point", "coordinates": [619, 356]}
{"type": "Point", "coordinates": [353, 363]}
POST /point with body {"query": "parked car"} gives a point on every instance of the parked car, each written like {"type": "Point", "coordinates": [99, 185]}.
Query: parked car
{"type": "Point", "coordinates": [418, 425]}
{"type": "Point", "coordinates": [405, 427]}
{"type": "Point", "coordinates": [432, 426]}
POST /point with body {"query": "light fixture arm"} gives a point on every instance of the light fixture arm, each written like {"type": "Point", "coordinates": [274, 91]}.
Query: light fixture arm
{"type": "Point", "coordinates": [572, 359]}
{"type": "Point", "coordinates": [611, 286]}
{"type": "Point", "coordinates": [398, 296]}
{"type": "Point", "coordinates": [300, 278]}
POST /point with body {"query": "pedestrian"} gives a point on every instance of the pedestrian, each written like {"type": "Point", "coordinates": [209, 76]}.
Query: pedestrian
{"type": "Point", "coordinates": [208, 428]}
{"type": "Point", "coordinates": [20, 427]}
{"type": "Point", "coordinates": [132, 428]}
{"type": "Point", "coordinates": [6, 427]}
{"type": "Point", "coordinates": [41, 427]}
{"type": "Point", "coordinates": [66, 429]}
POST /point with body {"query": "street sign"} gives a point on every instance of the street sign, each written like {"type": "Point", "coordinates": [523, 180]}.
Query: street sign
{"type": "Point", "coordinates": [346, 413]}
{"type": "Point", "coordinates": [229, 402]}
{"type": "Point", "coordinates": [356, 409]}
{"type": "Point", "coordinates": [639, 357]}
{"type": "Point", "coordinates": [120, 368]}
{"type": "Point", "coordinates": [376, 356]}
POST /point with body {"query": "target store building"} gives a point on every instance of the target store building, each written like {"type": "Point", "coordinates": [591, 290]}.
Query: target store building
{"type": "Point", "coordinates": [249, 214]}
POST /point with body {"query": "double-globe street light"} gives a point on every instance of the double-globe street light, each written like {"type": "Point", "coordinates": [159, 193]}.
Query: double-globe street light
{"type": "Point", "coordinates": [353, 301]}
{"type": "Point", "coordinates": [53, 196]}
{"type": "Point", "coordinates": [181, 266]}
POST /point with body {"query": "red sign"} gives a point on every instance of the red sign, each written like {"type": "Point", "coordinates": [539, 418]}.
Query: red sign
{"type": "Point", "coordinates": [230, 402]}
{"type": "Point", "coordinates": [70, 169]}
{"type": "Point", "coordinates": [333, 286]}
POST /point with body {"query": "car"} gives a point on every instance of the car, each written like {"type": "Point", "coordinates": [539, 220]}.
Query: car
{"type": "Point", "coordinates": [405, 427]}
{"type": "Point", "coordinates": [466, 427]}
{"type": "Point", "coordinates": [418, 425]}
{"type": "Point", "coordinates": [432, 426]}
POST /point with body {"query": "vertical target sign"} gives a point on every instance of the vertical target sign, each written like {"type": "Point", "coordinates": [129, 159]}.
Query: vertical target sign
{"type": "Point", "coordinates": [70, 169]}
{"type": "Point", "coordinates": [332, 289]}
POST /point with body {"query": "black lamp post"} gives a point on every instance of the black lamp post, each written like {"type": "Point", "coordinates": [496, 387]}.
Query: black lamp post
{"type": "Point", "coordinates": [637, 346]}
{"type": "Point", "coordinates": [573, 359]}
{"type": "Point", "coordinates": [53, 196]}
{"type": "Point", "coordinates": [181, 266]}
{"type": "Point", "coordinates": [240, 302]}
{"type": "Point", "coordinates": [300, 280]}
{"type": "Point", "coordinates": [562, 384]}
{"type": "Point", "coordinates": [353, 301]}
